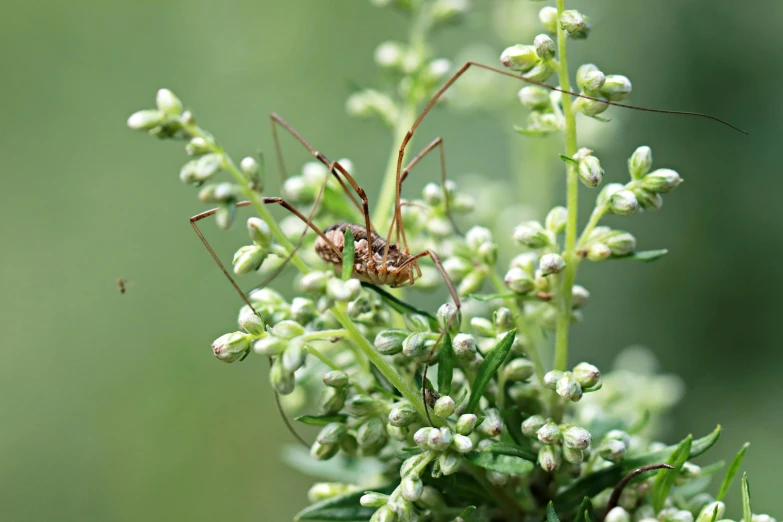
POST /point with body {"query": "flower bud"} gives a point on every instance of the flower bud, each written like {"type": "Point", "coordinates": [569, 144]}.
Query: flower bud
{"type": "Point", "coordinates": [314, 282]}
{"type": "Point", "coordinates": [198, 146]}
{"type": "Point", "coordinates": [504, 320]}
{"type": "Point", "coordinates": [293, 357]}
{"type": "Point", "coordinates": [556, 219]}
{"type": "Point", "coordinates": [373, 499]}
{"type": "Point", "coordinates": [551, 378]}
{"type": "Point", "coordinates": [590, 107]}
{"type": "Point", "coordinates": [545, 47]}
{"type": "Point", "coordinates": [431, 498]}
{"type": "Point", "coordinates": [584, 73]}
{"type": "Point", "coordinates": [369, 102]}
{"type": "Point", "coordinates": [287, 329]}
{"type": "Point", "coordinates": [389, 342]}
{"type": "Point", "coordinates": [617, 514]}
{"type": "Point", "coordinates": [579, 296]}
{"type": "Point", "coordinates": [497, 479]}
{"type": "Point", "coordinates": [385, 513]}
{"type": "Point", "coordinates": [551, 264]}
{"type": "Point", "coordinates": [448, 11]}
{"type": "Point", "coordinates": [549, 458]}
{"type": "Point", "coordinates": [488, 253]}
{"type": "Point", "coordinates": [168, 103]}
{"type": "Point", "coordinates": [336, 379]}
{"type": "Point", "coordinates": [462, 444]}
{"type": "Point", "coordinates": [344, 291]}
{"type": "Point", "coordinates": [640, 162]}
{"type": "Point", "coordinates": [548, 17]}
{"type": "Point", "coordinates": [449, 317]}
{"type": "Point", "coordinates": [707, 513]}
{"type": "Point", "coordinates": [360, 405]}
{"type": "Point", "coordinates": [534, 98]}
{"type": "Point", "coordinates": [416, 345]}
{"type": "Point", "coordinates": [325, 490]}
{"type": "Point", "coordinates": [250, 321]}
{"type": "Point", "coordinates": [422, 439]}
{"type": "Point", "coordinates": [231, 347]}
{"type": "Point", "coordinates": [416, 323]}
{"type": "Point", "coordinates": [259, 231]}
{"type": "Point", "coordinates": [198, 170]}
{"type": "Point", "coordinates": [592, 81]}
{"type": "Point", "coordinates": [282, 380]}
{"type": "Point", "coordinates": [519, 370]}
{"type": "Point", "coordinates": [573, 455]}
{"type": "Point", "coordinates": [477, 236]}
{"type": "Point", "coordinates": [323, 451]}
{"type": "Point", "coordinates": [248, 259]}
{"type": "Point", "coordinates": [590, 171]}
{"type": "Point", "coordinates": [440, 439]}
{"type": "Point", "coordinates": [532, 424]}
{"type": "Point", "coordinates": [519, 57]}
{"type": "Point", "coordinates": [397, 433]}
{"type": "Point", "coordinates": [403, 414]}
{"type": "Point", "coordinates": [389, 54]}
{"type": "Point", "coordinates": [333, 400]}
{"type": "Point", "coordinates": [482, 326]}
{"type": "Point", "coordinates": [412, 488]}
{"type": "Point", "coordinates": [371, 433]}
{"type": "Point", "coordinates": [549, 433]}
{"type": "Point", "coordinates": [661, 180]}
{"type": "Point", "coordinates": [471, 283]}
{"type": "Point", "coordinates": [493, 423]}
{"type": "Point", "coordinates": [586, 375]}
{"type": "Point", "coordinates": [612, 450]}
{"type": "Point", "coordinates": [332, 433]}
{"type": "Point", "coordinates": [432, 194]}
{"type": "Point", "coordinates": [648, 200]}
{"type": "Point", "coordinates": [573, 22]}
{"type": "Point", "coordinates": [623, 203]}
{"type": "Point", "coordinates": [568, 388]}
{"type": "Point", "coordinates": [576, 437]}
{"type": "Point", "coordinates": [457, 268]}
{"type": "Point", "coordinates": [445, 407]}
{"type": "Point", "coordinates": [616, 88]}
{"type": "Point", "coordinates": [269, 346]}
{"type": "Point", "coordinates": [532, 235]}
{"type": "Point", "coordinates": [225, 215]}
{"type": "Point", "coordinates": [519, 281]}
{"type": "Point", "coordinates": [621, 243]}
{"type": "Point", "coordinates": [145, 120]}
{"type": "Point", "coordinates": [598, 252]}
{"type": "Point", "coordinates": [449, 462]}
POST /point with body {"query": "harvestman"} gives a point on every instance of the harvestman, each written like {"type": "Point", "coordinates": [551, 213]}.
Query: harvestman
{"type": "Point", "coordinates": [380, 261]}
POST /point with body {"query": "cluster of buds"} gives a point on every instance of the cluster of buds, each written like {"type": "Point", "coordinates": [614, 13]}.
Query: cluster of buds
{"type": "Point", "coordinates": [437, 12]}
{"type": "Point", "coordinates": [490, 332]}
{"type": "Point", "coordinates": [471, 261]}
{"type": "Point", "coordinates": [584, 378]}
{"type": "Point", "coordinates": [429, 216]}
{"type": "Point", "coordinates": [559, 441]}
{"type": "Point", "coordinates": [614, 446]}
{"type": "Point", "coordinates": [595, 84]}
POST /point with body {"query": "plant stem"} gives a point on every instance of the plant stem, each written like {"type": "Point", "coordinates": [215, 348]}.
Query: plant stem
{"type": "Point", "coordinates": [408, 390]}
{"type": "Point", "coordinates": [595, 217]}
{"type": "Point", "coordinates": [572, 187]}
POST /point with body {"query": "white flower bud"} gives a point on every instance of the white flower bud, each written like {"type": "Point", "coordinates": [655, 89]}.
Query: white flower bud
{"type": "Point", "coordinates": [623, 203]}
{"type": "Point", "coordinates": [198, 146]}
{"type": "Point", "coordinates": [431, 498]}
{"type": "Point", "coordinates": [551, 378]}
{"type": "Point", "coordinates": [621, 243]}
{"type": "Point", "coordinates": [373, 500]}
{"type": "Point", "coordinates": [314, 282]}
{"type": "Point", "coordinates": [556, 220]}
{"type": "Point", "coordinates": [402, 415]}
{"type": "Point", "coordinates": [440, 439]}
{"type": "Point", "coordinates": [200, 169]}
{"type": "Point", "coordinates": [548, 17]}
{"type": "Point", "coordinates": [231, 347]}
{"type": "Point", "coordinates": [617, 514]}
{"type": "Point", "coordinates": [432, 194]}
{"type": "Point", "coordinates": [332, 433]}
{"type": "Point", "coordinates": [145, 120]}
{"type": "Point", "coordinates": [493, 423]}
{"type": "Point", "coordinates": [549, 433]}
{"type": "Point", "coordinates": [616, 88]}
{"type": "Point", "coordinates": [445, 407]}
{"type": "Point", "coordinates": [648, 200]}
{"type": "Point", "coordinates": [661, 180]}
{"type": "Point", "coordinates": [586, 375]}
{"type": "Point", "coordinates": [551, 264]}
{"type": "Point", "coordinates": [260, 232]}
{"type": "Point", "coordinates": [534, 98]}
{"type": "Point", "coordinates": [532, 235]}
{"type": "Point", "coordinates": [336, 379]}
{"type": "Point", "coordinates": [612, 450]}
{"type": "Point", "coordinates": [590, 171]}
{"type": "Point", "coordinates": [449, 462]}
{"type": "Point", "coordinates": [477, 236]}
{"type": "Point", "coordinates": [448, 317]}
{"type": "Point", "coordinates": [269, 346]}
{"type": "Point", "coordinates": [573, 455]}
{"type": "Point", "coordinates": [541, 72]}
{"type": "Point", "coordinates": [416, 345]}
{"type": "Point", "coordinates": [497, 479]}
{"type": "Point", "coordinates": [323, 451]}
{"type": "Point", "coordinates": [344, 291]}
{"type": "Point", "coordinates": [532, 424]}
{"type": "Point", "coordinates": [462, 444]}
{"type": "Point", "coordinates": [293, 357]}
{"type": "Point", "coordinates": [519, 57]}
{"type": "Point", "coordinates": [519, 370]}
{"type": "Point", "coordinates": [466, 423]}
{"type": "Point", "coordinates": [412, 487]}
{"type": "Point", "coordinates": [579, 296]}
{"type": "Point", "coordinates": [576, 437]}
{"type": "Point", "coordinates": [168, 103]}
{"type": "Point", "coordinates": [447, 11]}
{"type": "Point", "coordinates": [287, 329]}
{"type": "Point", "coordinates": [568, 388]}
{"type": "Point", "coordinates": [572, 22]}
{"type": "Point", "coordinates": [519, 281]}
{"type": "Point", "coordinates": [598, 252]}
{"type": "Point", "coordinates": [640, 162]}
{"type": "Point", "coordinates": [549, 458]}
{"type": "Point", "coordinates": [545, 47]}
{"type": "Point", "coordinates": [590, 107]}
{"type": "Point", "coordinates": [483, 327]}
{"type": "Point", "coordinates": [389, 54]}
{"type": "Point", "coordinates": [389, 342]}
{"type": "Point", "coordinates": [603, 198]}
{"type": "Point", "coordinates": [250, 322]}
{"type": "Point", "coordinates": [707, 513]}
{"type": "Point", "coordinates": [332, 400]}
{"type": "Point", "coordinates": [371, 433]}
{"type": "Point", "coordinates": [360, 405]}
{"type": "Point", "coordinates": [592, 81]}
{"type": "Point", "coordinates": [283, 381]}
{"type": "Point", "coordinates": [422, 437]}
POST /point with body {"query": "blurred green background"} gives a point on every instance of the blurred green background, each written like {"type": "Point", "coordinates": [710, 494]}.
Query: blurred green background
{"type": "Point", "coordinates": [113, 407]}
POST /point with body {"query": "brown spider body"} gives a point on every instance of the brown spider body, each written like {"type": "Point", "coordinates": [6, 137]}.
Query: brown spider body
{"type": "Point", "coordinates": [400, 268]}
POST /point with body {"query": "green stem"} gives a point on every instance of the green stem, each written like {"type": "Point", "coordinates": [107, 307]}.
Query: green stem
{"type": "Point", "coordinates": [325, 335]}
{"type": "Point", "coordinates": [408, 390]}
{"type": "Point", "coordinates": [572, 184]}
{"type": "Point", "coordinates": [595, 217]}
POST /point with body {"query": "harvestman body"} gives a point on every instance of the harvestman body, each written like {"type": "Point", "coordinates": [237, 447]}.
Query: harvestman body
{"type": "Point", "coordinates": [380, 261]}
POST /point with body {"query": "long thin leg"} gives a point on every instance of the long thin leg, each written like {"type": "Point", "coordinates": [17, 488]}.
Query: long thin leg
{"type": "Point", "coordinates": [277, 120]}
{"type": "Point", "coordinates": [468, 65]}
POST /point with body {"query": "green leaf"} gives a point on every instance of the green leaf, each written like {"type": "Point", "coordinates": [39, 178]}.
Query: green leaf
{"type": "Point", "coordinates": [732, 472]}
{"type": "Point", "coordinates": [345, 508]}
{"type": "Point", "coordinates": [639, 425]}
{"type": "Point", "coordinates": [747, 512]}
{"type": "Point", "coordinates": [467, 513]}
{"type": "Point", "coordinates": [505, 464]}
{"type": "Point", "coordinates": [585, 508]}
{"type": "Point", "coordinates": [401, 306]}
{"type": "Point", "coordinates": [646, 256]}
{"type": "Point", "coordinates": [445, 365]}
{"type": "Point", "coordinates": [551, 516]}
{"type": "Point", "coordinates": [601, 119]}
{"type": "Point", "coordinates": [320, 420]}
{"type": "Point", "coordinates": [348, 253]}
{"type": "Point", "coordinates": [488, 367]}
{"type": "Point", "coordinates": [505, 448]}
{"type": "Point", "coordinates": [491, 297]}
{"type": "Point", "coordinates": [594, 483]}
{"type": "Point", "coordinates": [665, 477]}
{"type": "Point", "coordinates": [568, 160]}
{"type": "Point", "coordinates": [461, 398]}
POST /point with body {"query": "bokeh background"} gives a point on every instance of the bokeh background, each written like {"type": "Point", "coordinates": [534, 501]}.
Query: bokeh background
{"type": "Point", "coordinates": [113, 407]}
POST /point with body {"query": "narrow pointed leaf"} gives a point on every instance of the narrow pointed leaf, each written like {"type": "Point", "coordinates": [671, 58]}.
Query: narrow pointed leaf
{"type": "Point", "coordinates": [491, 297]}
{"type": "Point", "coordinates": [505, 464]}
{"type": "Point", "coordinates": [401, 306]}
{"type": "Point", "coordinates": [645, 255]}
{"type": "Point", "coordinates": [348, 254]}
{"type": "Point", "coordinates": [732, 472]}
{"type": "Point", "coordinates": [551, 516]}
{"type": "Point", "coordinates": [502, 448]}
{"type": "Point", "coordinates": [568, 160]}
{"type": "Point", "coordinates": [747, 512]}
{"type": "Point", "coordinates": [493, 360]}
{"type": "Point", "coordinates": [585, 508]}
{"type": "Point", "coordinates": [343, 508]}
{"type": "Point", "coordinates": [445, 366]}
{"type": "Point", "coordinates": [665, 477]}
{"type": "Point", "coordinates": [320, 420]}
